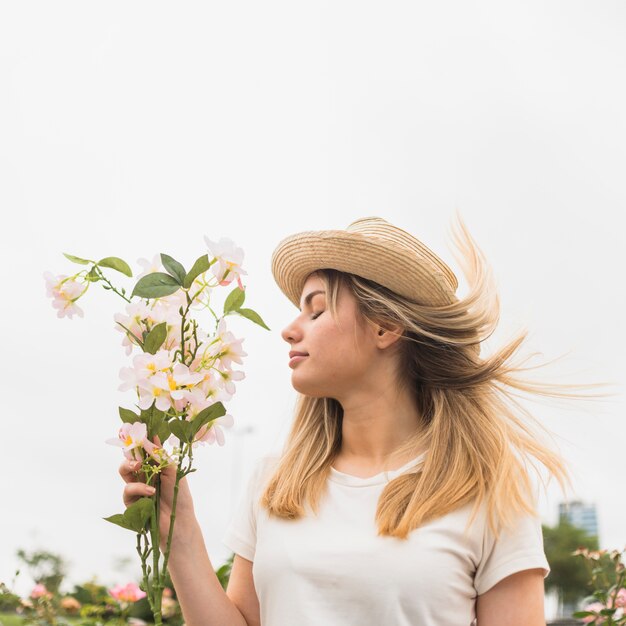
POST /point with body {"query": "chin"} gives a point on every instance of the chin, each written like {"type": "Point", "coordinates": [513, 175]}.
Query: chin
{"type": "Point", "coordinates": [311, 389]}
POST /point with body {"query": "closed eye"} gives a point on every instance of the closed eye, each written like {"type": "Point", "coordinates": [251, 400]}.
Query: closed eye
{"type": "Point", "coordinates": [316, 315]}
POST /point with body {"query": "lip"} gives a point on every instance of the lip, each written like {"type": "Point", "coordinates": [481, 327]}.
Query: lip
{"type": "Point", "coordinates": [297, 353]}
{"type": "Point", "coordinates": [297, 359]}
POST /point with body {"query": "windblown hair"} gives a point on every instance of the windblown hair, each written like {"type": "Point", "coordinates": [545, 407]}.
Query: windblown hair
{"type": "Point", "coordinates": [479, 439]}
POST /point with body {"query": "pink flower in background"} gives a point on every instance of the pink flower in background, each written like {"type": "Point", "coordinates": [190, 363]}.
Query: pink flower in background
{"type": "Point", "coordinates": [620, 599]}
{"type": "Point", "coordinates": [229, 258]}
{"type": "Point", "coordinates": [169, 606]}
{"type": "Point", "coordinates": [594, 606]}
{"type": "Point", "coordinates": [127, 593]}
{"type": "Point", "coordinates": [64, 291]}
{"type": "Point", "coordinates": [40, 591]}
{"type": "Point", "coordinates": [70, 604]}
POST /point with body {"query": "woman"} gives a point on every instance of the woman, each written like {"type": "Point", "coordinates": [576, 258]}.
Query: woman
{"type": "Point", "coordinates": [403, 494]}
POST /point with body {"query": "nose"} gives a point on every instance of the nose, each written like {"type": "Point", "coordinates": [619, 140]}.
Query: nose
{"type": "Point", "coordinates": [291, 333]}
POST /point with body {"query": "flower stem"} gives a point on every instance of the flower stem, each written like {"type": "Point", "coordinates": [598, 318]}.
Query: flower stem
{"type": "Point", "coordinates": [108, 282]}
{"type": "Point", "coordinates": [172, 516]}
{"type": "Point", "coordinates": [156, 553]}
{"type": "Point", "coordinates": [146, 582]}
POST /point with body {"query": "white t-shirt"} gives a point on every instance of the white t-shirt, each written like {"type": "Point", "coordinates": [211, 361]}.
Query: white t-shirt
{"type": "Point", "coordinates": [334, 570]}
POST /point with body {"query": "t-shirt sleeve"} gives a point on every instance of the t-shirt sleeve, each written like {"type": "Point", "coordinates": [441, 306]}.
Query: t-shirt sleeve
{"type": "Point", "coordinates": [517, 548]}
{"type": "Point", "coordinates": [240, 534]}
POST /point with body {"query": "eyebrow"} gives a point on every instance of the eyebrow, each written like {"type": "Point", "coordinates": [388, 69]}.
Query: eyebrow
{"type": "Point", "coordinates": [309, 297]}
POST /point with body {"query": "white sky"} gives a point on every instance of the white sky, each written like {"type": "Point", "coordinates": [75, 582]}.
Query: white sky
{"type": "Point", "coordinates": [130, 129]}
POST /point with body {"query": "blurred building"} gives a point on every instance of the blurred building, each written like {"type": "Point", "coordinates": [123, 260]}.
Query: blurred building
{"type": "Point", "coordinates": [580, 515]}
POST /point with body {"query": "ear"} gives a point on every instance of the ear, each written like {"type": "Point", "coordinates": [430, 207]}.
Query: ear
{"type": "Point", "coordinates": [388, 334]}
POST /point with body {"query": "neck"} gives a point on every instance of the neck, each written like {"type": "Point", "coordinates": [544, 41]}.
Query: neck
{"type": "Point", "coordinates": [375, 425]}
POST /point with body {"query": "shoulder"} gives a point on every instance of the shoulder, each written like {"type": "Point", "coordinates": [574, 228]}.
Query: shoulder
{"type": "Point", "coordinates": [513, 547]}
{"type": "Point", "coordinates": [262, 469]}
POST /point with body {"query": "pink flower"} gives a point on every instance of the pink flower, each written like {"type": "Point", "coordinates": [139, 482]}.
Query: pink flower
{"type": "Point", "coordinates": [193, 400]}
{"type": "Point", "coordinates": [154, 389]}
{"type": "Point", "coordinates": [228, 377]}
{"type": "Point", "coordinates": [127, 593]}
{"type": "Point", "coordinates": [70, 604]}
{"type": "Point", "coordinates": [227, 348]}
{"type": "Point", "coordinates": [620, 599]}
{"type": "Point", "coordinates": [144, 366]}
{"type": "Point", "coordinates": [213, 432]}
{"type": "Point", "coordinates": [40, 591]}
{"type": "Point", "coordinates": [149, 267]}
{"type": "Point", "coordinates": [132, 323]}
{"type": "Point", "coordinates": [130, 437]}
{"type": "Point", "coordinates": [594, 606]}
{"type": "Point", "coordinates": [229, 258]}
{"type": "Point", "coordinates": [64, 292]}
{"type": "Point", "coordinates": [158, 453]}
{"type": "Point", "coordinates": [181, 379]}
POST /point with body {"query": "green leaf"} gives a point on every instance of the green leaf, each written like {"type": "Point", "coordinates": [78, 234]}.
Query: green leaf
{"type": "Point", "coordinates": [92, 275]}
{"type": "Point", "coordinates": [119, 520]}
{"type": "Point", "coordinates": [155, 338]}
{"type": "Point", "coordinates": [156, 285]}
{"type": "Point", "coordinates": [583, 614]}
{"type": "Point", "coordinates": [135, 517]}
{"type": "Point", "coordinates": [234, 300]}
{"type": "Point", "coordinates": [127, 416]}
{"type": "Point", "coordinates": [116, 264]}
{"type": "Point", "coordinates": [201, 265]}
{"type": "Point", "coordinates": [253, 316]}
{"type": "Point", "coordinates": [174, 268]}
{"type": "Point", "coordinates": [156, 423]}
{"type": "Point", "coordinates": [140, 512]}
{"type": "Point", "coordinates": [182, 429]}
{"type": "Point", "coordinates": [76, 259]}
{"type": "Point", "coordinates": [207, 415]}
{"type": "Point", "coordinates": [163, 431]}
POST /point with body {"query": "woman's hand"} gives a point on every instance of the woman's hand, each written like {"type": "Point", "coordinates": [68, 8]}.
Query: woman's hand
{"type": "Point", "coordinates": [136, 488]}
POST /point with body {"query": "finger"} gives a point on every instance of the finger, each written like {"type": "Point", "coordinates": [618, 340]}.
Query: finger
{"type": "Point", "coordinates": [134, 491]}
{"type": "Point", "coordinates": [130, 471]}
{"type": "Point", "coordinates": [157, 441]}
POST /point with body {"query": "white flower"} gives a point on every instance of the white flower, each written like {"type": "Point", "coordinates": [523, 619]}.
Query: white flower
{"type": "Point", "coordinates": [229, 259]}
{"type": "Point", "coordinates": [149, 267]}
{"type": "Point", "coordinates": [213, 432]}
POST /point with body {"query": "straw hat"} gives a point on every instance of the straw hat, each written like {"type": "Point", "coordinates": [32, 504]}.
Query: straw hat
{"type": "Point", "coordinates": [369, 247]}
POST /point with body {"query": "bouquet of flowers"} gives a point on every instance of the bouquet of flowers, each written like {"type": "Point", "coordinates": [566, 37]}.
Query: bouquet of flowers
{"type": "Point", "coordinates": [180, 373]}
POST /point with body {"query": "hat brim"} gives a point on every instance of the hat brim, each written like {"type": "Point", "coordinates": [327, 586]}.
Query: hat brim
{"type": "Point", "coordinates": [296, 256]}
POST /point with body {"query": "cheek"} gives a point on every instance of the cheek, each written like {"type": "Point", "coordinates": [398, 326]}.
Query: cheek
{"type": "Point", "coordinates": [341, 349]}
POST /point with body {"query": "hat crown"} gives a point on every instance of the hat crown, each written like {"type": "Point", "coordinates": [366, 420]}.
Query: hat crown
{"type": "Point", "coordinates": [380, 228]}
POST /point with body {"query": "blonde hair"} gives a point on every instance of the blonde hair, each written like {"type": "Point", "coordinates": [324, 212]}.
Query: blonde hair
{"type": "Point", "coordinates": [478, 444]}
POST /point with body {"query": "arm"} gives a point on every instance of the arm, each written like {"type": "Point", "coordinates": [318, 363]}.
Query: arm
{"type": "Point", "coordinates": [516, 600]}
{"type": "Point", "coordinates": [202, 599]}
